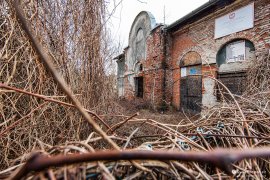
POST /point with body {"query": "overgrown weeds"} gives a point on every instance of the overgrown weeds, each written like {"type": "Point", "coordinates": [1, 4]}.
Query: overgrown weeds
{"type": "Point", "coordinates": [74, 34]}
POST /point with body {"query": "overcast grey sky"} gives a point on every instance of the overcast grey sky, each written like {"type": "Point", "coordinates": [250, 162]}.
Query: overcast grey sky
{"type": "Point", "coordinates": [125, 13]}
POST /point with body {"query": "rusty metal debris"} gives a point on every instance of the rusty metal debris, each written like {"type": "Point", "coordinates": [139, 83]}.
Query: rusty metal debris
{"type": "Point", "coordinates": [221, 158]}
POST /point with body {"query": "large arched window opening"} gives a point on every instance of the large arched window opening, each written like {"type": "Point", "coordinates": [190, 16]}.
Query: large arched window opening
{"type": "Point", "coordinates": [236, 51]}
{"type": "Point", "coordinates": [233, 60]}
{"type": "Point", "coordinates": [140, 45]}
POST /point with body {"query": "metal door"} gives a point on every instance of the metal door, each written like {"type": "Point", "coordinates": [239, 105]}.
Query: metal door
{"type": "Point", "coordinates": [191, 89]}
{"type": "Point", "coordinates": [235, 82]}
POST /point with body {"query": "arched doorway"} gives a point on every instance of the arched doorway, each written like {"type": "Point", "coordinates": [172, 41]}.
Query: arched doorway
{"type": "Point", "coordinates": [138, 79]}
{"type": "Point", "coordinates": [191, 82]}
{"type": "Point", "coordinates": [233, 60]}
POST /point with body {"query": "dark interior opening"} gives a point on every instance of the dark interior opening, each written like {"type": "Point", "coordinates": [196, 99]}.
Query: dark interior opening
{"type": "Point", "coordinates": [139, 86]}
{"type": "Point", "coordinates": [141, 67]}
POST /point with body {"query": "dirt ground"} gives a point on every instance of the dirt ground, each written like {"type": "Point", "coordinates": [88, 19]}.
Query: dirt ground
{"type": "Point", "coordinates": [145, 131]}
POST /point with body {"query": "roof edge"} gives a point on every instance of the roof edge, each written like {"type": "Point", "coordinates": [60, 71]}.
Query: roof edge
{"type": "Point", "coordinates": [192, 14]}
{"type": "Point", "coordinates": [150, 16]}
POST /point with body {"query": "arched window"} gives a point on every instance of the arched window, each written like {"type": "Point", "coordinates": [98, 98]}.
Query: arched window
{"type": "Point", "coordinates": [140, 45]}
{"type": "Point", "coordinates": [141, 68]}
{"type": "Point", "coordinates": [233, 61]}
{"type": "Point", "coordinates": [191, 58]}
{"type": "Point", "coordinates": [236, 51]}
{"type": "Point", "coordinates": [138, 68]}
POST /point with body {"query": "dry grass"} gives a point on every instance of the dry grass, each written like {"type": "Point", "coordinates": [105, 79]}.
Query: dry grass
{"type": "Point", "coordinates": [58, 27]}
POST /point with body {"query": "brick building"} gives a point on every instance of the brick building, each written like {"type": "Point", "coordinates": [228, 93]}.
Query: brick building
{"type": "Point", "coordinates": [175, 64]}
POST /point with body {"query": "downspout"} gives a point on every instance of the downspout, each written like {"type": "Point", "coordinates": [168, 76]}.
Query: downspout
{"type": "Point", "coordinates": [164, 67]}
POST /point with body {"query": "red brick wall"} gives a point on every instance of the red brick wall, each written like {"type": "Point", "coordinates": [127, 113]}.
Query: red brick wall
{"type": "Point", "coordinates": [153, 73]}
{"type": "Point", "coordinates": [199, 37]}
{"type": "Point", "coordinates": [163, 84]}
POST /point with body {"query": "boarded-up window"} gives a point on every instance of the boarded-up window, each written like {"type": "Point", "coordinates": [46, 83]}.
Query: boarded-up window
{"type": "Point", "coordinates": [236, 51]}
{"type": "Point", "coordinates": [120, 76]}
{"type": "Point", "coordinates": [121, 67]}
{"type": "Point", "coordinates": [120, 86]}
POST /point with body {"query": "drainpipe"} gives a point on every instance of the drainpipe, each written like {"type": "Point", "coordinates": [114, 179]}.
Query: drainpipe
{"type": "Point", "coordinates": [164, 67]}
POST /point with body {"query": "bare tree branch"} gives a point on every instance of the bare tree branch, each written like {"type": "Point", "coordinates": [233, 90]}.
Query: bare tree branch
{"type": "Point", "coordinates": [52, 100]}
{"type": "Point", "coordinates": [47, 61]}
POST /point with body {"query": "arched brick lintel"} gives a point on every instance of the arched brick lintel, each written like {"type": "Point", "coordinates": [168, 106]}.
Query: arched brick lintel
{"type": "Point", "coordinates": [224, 41]}
{"type": "Point", "coordinates": [196, 49]}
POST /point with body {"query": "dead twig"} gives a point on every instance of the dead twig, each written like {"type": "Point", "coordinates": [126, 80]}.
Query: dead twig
{"type": "Point", "coordinates": [47, 61]}
{"type": "Point", "coordinates": [21, 120]}
{"type": "Point", "coordinates": [52, 100]}
{"type": "Point", "coordinates": [113, 128]}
